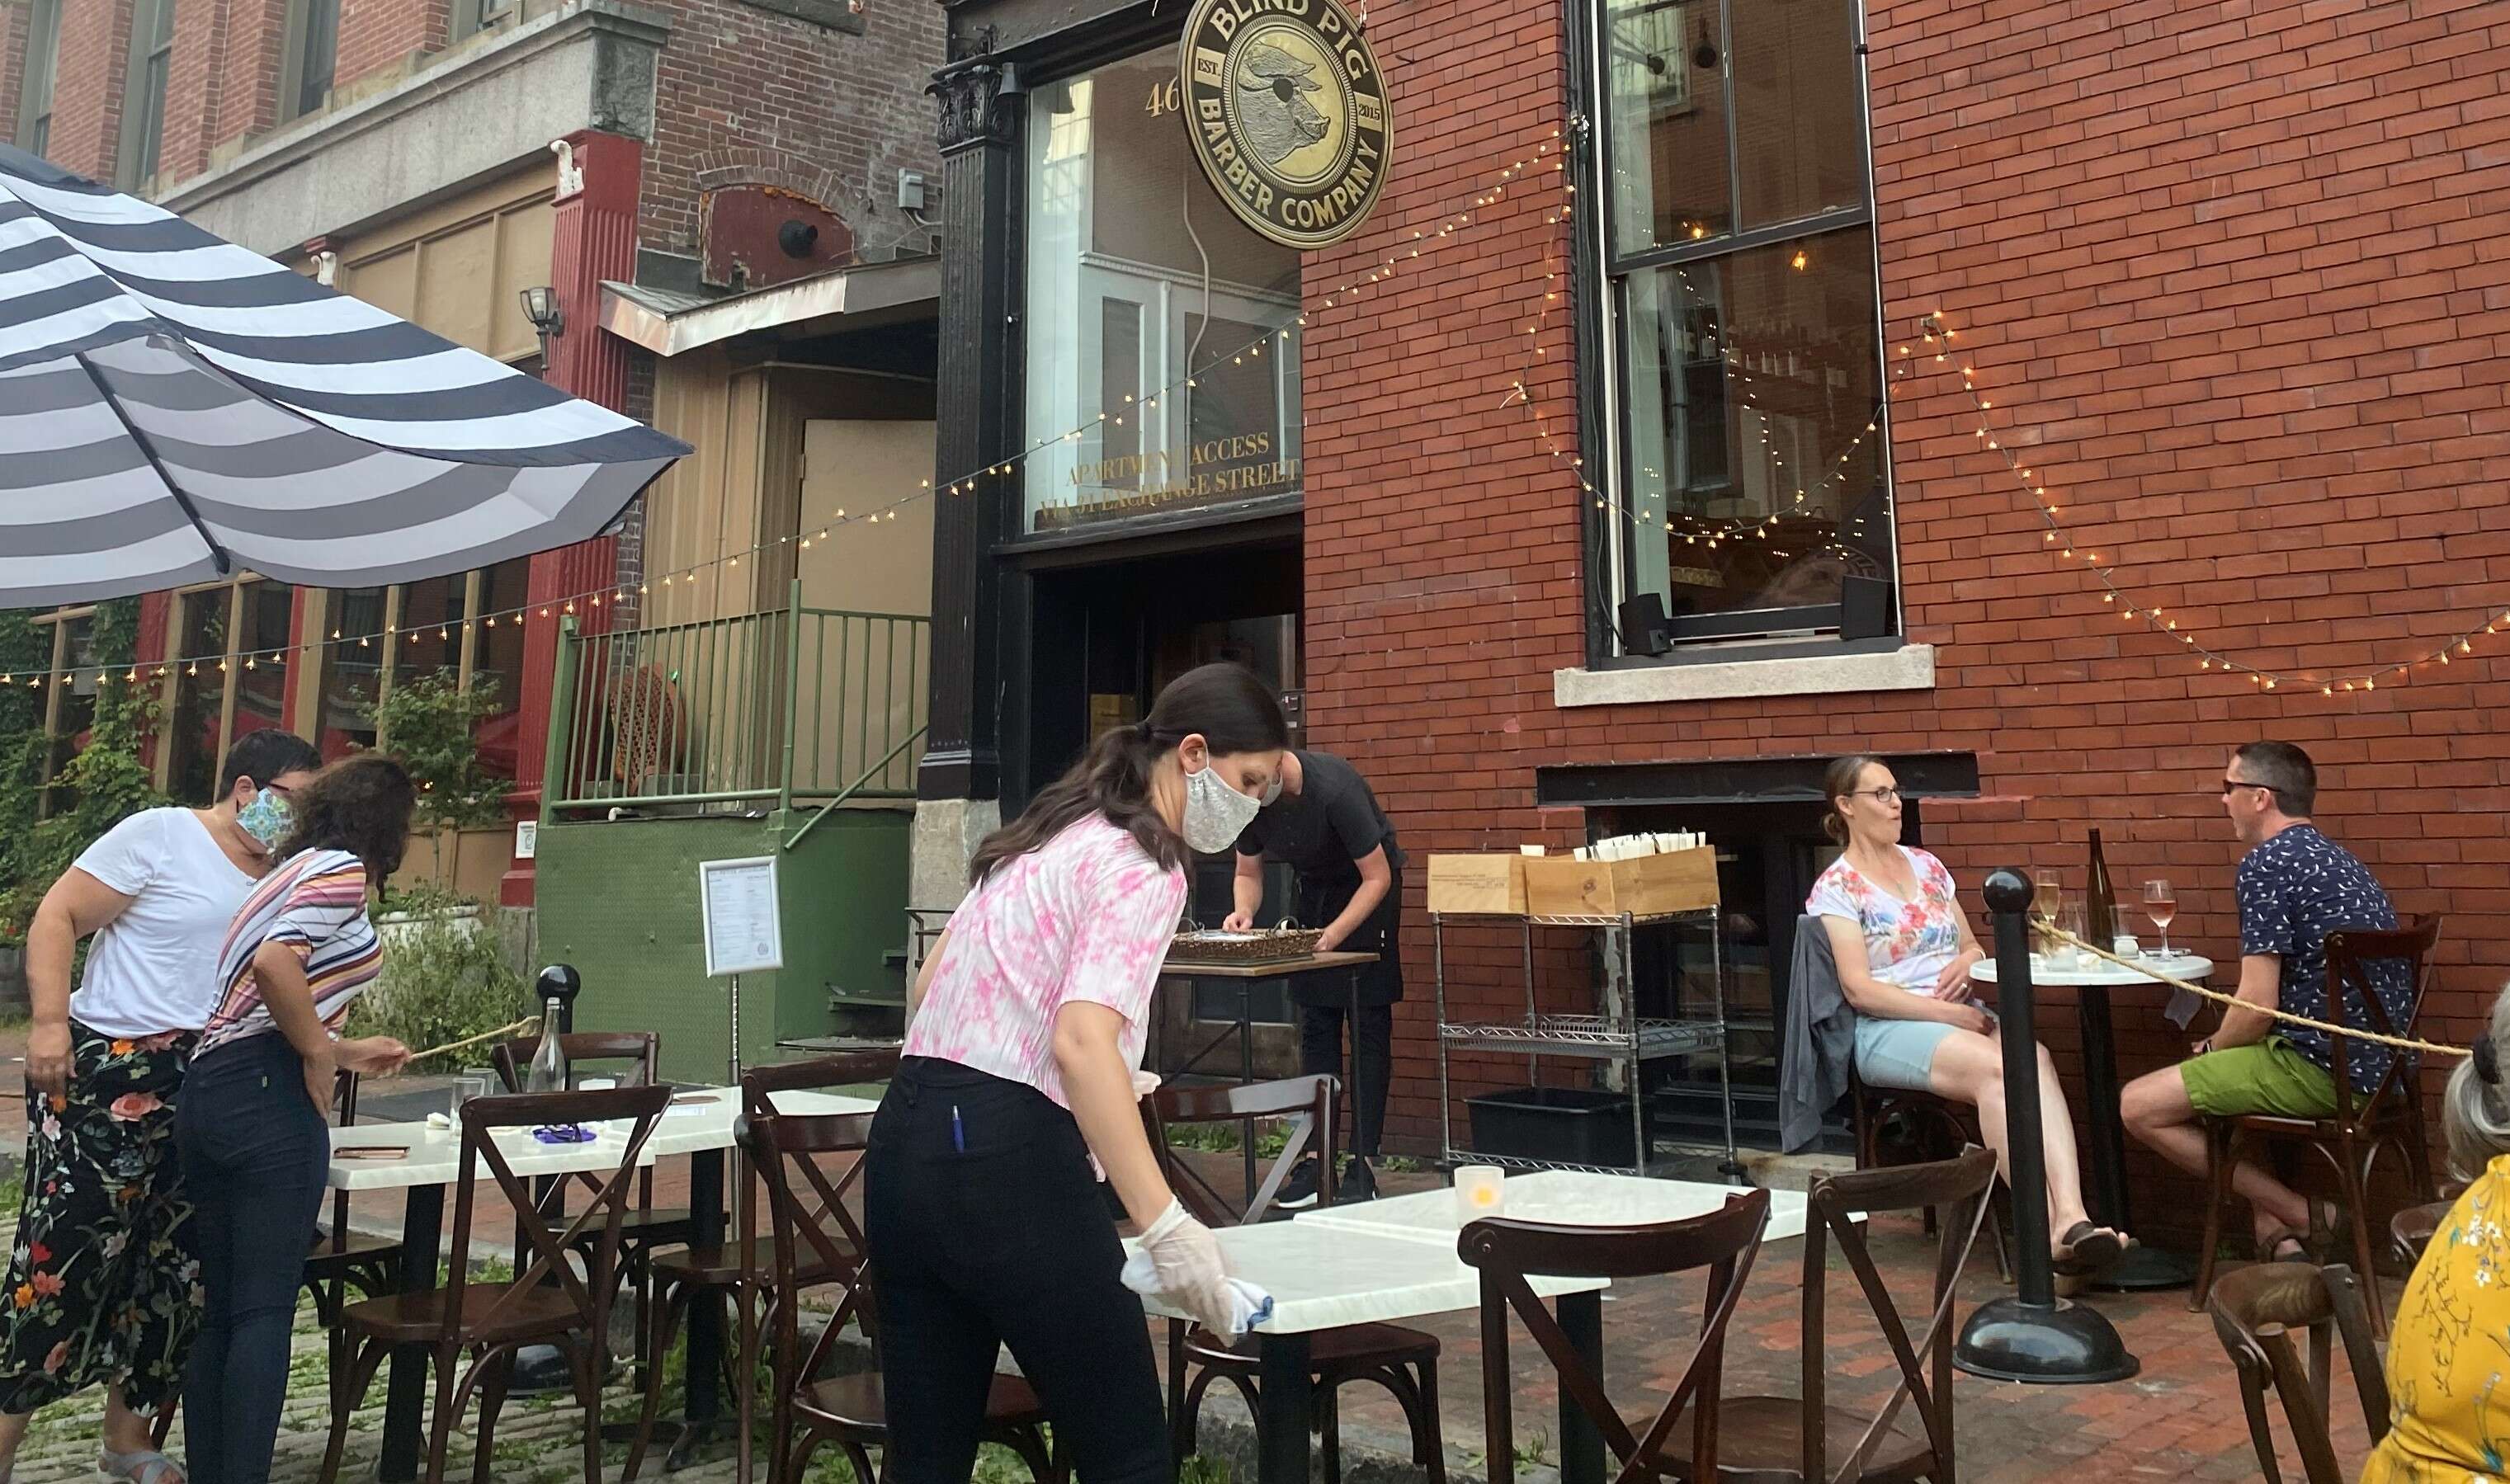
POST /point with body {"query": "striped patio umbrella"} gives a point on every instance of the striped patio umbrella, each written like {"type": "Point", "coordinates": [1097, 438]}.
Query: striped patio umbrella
{"type": "Point", "coordinates": [173, 407]}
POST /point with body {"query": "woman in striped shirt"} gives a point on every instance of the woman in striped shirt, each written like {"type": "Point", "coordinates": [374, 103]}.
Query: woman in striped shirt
{"type": "Point", "coordinates": [252, 1128]}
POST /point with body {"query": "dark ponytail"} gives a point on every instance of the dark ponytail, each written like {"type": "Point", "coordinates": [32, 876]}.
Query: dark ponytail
{"type": "Point", "coordinates": [1837, 781]}
{"type": "Point", "coordinates": [1231, 710]}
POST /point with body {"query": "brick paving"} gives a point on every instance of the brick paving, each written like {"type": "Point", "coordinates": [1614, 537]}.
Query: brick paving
{"type": "Point", "coordinates": [2179, 1418]}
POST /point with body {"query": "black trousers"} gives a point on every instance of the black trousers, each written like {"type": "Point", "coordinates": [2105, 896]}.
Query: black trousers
{"type": "Point", "coordinates": [256, 1153]}
{"type": "Point", "coordinates": [986, 1228]}
{"type": "Point", "coordinates": [1363, 999]}
{"type": "Point", "coordinates": [1372, 1058]}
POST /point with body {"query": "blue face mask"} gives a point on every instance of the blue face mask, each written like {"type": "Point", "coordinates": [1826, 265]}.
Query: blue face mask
{"type": "Point", "coordinates": [266, 819]}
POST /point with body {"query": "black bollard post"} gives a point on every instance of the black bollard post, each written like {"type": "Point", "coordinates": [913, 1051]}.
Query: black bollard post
{"type": "Point", "coordinates": [542, 1369]}
{"type": "Point", "coordinates": [2032, 1336]}
{"type": "Point", "coordinates": [559, 982]}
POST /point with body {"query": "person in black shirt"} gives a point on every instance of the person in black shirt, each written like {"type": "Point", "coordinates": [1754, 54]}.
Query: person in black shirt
{"type": "Point", "coordinates": [1322, 819]}
{"type": "Point", "coordinates": [2294, 886]}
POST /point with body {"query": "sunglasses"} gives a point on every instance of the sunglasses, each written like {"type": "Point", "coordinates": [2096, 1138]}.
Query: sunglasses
{"type": "Point", "coordinates": [2231, 784]}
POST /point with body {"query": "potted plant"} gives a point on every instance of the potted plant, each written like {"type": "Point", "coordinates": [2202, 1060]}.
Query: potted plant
{"type": "Point", "coordinates": [430, 723]}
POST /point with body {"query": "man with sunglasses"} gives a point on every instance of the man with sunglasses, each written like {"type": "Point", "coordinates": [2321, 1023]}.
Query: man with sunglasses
{"type": "Point", "coordinates": [2294, 886]}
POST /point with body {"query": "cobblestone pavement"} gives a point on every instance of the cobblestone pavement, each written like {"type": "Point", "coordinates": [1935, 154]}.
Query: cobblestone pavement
{"type": "Point", "coordinates": [2179, 1418]}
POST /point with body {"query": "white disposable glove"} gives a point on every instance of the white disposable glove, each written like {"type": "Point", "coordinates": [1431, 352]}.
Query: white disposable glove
{"type": "Point", "coordinates": [1187, 1259]}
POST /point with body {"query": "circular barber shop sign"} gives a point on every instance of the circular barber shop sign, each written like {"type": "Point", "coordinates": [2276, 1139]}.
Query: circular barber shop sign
{"type": "Point", "coordinates": [1287, 112]}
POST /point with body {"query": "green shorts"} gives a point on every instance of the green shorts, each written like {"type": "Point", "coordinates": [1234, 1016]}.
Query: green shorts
{"type": "Point", "coordinates": [2270, 1076]}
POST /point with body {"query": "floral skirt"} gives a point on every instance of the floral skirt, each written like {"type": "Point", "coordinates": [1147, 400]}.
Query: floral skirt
{"type": "Point", "coordinates": [103, 1288]}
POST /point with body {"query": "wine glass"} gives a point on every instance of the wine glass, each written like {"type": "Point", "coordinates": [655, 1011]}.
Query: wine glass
{"type": "Point", "coordinates": [2161, 904]}
{"type": "Point", "coordinates": [2045, 894]}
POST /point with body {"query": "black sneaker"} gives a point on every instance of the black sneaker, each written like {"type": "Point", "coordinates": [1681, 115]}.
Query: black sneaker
{"type": "Point", "coordinates": [1299, 1191]}
{"type": "Point", "coordinates": [1357, 1183]}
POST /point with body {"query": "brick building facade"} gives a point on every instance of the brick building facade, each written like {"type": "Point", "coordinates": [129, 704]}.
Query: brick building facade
{"type": "Point", "coordinates": [2231, 283]}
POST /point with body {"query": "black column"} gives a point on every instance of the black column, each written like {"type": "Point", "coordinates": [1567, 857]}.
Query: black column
{"type": "Point", "coordinates": [980, 203]}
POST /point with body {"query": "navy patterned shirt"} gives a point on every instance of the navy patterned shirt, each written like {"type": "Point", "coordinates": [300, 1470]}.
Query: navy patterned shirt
{"type": "Point", "coordinates": [2294, 889]}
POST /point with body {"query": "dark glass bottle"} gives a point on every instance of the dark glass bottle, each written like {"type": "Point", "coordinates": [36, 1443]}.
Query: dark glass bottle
{"type": "Point", "coordinates": [2100, 904]}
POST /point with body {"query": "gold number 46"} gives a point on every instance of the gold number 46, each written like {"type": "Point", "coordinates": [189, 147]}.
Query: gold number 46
{"type": "Point", "coordinates": [1164, 98]}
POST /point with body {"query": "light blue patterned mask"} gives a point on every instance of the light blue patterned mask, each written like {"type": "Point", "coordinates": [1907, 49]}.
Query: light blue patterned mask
{"type": "Point", "coordinates": [266, 819]}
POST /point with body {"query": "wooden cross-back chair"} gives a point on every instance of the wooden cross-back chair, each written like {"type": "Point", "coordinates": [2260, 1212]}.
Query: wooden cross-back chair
{"type": "Point", "coordinates": [548, 1302]}
{"type": "Point", "coordinates": [1802, 1437]}
{"type": "Point", "coordinates": [2352, 1138]}
{"type": "Point", "coordinates": [1402, 1360]}
{"type": "Point", "coordinates": [2255, 1312]}
{"type": "Point", "coordinates": [1510, 1253]}
{"type": "Point", "coordinates": [2413, 1229]}
{"type": "Point", "coordinates": [744, 1269]}
{"type": "Point", "coordinates": [647, 1228]}
{"type": "Point", "coordinates": [803, 1200]}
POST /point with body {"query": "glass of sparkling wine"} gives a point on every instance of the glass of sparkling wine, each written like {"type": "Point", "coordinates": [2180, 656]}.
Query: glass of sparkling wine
{"type": "Point", "coordinates": [2045, 894]}
{"type": "Point", "coordinates": [2161, 904]}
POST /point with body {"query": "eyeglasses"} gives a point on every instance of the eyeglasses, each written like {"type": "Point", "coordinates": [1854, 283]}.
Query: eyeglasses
{"type": "Point", "coordinates": [2231, 784]}
{"type": "Point", "coordinates": [1878, 795]}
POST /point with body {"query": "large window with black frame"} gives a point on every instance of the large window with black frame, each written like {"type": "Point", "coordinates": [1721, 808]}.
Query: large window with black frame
{"type": "Point", "coordinates": [1751, 480]}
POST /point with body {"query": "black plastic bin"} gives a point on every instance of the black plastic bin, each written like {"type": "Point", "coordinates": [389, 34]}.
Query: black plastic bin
{"type": "Point", "coordinates": [1559, 1126]}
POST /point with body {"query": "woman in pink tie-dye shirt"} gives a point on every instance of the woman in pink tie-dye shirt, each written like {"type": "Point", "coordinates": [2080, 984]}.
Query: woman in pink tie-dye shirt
{"type": "Point", "coordinates": [983, 1218]}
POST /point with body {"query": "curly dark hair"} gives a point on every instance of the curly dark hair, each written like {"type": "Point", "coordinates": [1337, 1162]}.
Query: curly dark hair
{"type": "Point", "coordinates": [361, 804]}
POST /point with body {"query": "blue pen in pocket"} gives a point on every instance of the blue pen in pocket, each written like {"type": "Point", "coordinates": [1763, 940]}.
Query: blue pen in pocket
{"type": "Point", "coordinates": [958, 1130]}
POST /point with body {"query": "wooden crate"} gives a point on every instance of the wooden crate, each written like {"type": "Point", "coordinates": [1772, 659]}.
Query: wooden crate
{"type": "Point", "coordinates": [1489, 885]}
{"type": "Point", "coordinates": [1679, 881]}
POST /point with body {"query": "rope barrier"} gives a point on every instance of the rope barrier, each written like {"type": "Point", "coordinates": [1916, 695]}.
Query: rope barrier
{"type": "Point", "coordinates": [519, 1027]}
{"type": "Point", "coordinates": [2400, 1042]}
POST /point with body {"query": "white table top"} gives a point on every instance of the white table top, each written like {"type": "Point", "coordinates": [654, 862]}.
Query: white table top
{"type": "Point", "coordinates": [434, 1154]}
{"type": "Point", "coordinates": [2184, 965]}
{"type": "Point", "coordinates": [1323, 1277]}
{"type": "Point", "coordinates": [1570, 1198]}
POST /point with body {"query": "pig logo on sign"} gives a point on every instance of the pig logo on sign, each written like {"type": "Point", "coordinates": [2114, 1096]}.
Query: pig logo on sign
{"type": "Point", "coordinates": [1273, 88]}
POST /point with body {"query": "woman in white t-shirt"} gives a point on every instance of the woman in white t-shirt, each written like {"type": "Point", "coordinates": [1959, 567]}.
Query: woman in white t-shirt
{"type": "Point", "coordinates": [1905, 950]}
{"type": "Point", "coordinates": [100, 1290]}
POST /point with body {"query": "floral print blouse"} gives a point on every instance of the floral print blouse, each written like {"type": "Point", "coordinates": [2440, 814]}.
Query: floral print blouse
{"type": "Point", "coordinates": [2448, 1408]}
{"type": "Point", "coordinates": [1906, 944]}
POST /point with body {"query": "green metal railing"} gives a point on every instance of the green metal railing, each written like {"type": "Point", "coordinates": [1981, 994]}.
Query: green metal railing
{"type": "Point", "coordinates": [796, 706]}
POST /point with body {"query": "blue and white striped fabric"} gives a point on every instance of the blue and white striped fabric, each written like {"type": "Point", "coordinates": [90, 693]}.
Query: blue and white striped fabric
{"type": "Point", "coordinates": [173, 407]}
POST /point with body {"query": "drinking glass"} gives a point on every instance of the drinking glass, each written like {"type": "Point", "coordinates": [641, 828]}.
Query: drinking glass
{"type": "Point", "coordinates": [2062, 952]}
{"type": "Point", "coordinates": [2161, 904]}
{"type": "Point", "coordinates": [468, 1086]}
{"type": "Point", "coordinates": [2045, 889]}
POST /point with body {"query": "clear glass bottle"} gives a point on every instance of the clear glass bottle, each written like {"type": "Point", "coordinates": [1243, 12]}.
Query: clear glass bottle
{"type": "Point", "coordinates": [547, 1072]}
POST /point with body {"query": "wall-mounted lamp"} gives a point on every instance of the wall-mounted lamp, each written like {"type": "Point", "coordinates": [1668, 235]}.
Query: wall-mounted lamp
{"type": "Point", "coordinates": [541, 305]}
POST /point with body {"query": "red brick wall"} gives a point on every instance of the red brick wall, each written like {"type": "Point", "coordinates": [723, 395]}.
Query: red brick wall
{"type": "Point", "coordinates": [2236, 286]}
{"type": "Point", "coordinates": [378, 36]}
{"type": "Point", "coordinates": [224, 84]}
{"type": "Point", "coordinates": [13, 51]}
{"type": "Point", "coordinates": [745, 94]}
{"type": "Point", "coordinates": [87, 85]}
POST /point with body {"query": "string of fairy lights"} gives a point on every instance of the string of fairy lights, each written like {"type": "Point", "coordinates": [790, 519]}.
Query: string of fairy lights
{"type": "Point", "coordinates": [2132, 606]}
{"type": "Point", "coordinates": [1382, 268]}
{"type": "Point", "coordinates": [1549, 158]}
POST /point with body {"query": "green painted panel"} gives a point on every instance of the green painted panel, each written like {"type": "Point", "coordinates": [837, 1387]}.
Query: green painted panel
{"type": "Point", "coordinates": [619, 900]}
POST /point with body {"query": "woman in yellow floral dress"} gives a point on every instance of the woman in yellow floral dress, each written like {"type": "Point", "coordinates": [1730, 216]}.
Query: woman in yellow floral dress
{"type": "Point", "coordinates": [2448, 1355]}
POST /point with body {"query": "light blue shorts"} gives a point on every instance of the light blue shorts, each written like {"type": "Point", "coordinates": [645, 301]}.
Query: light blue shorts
{"type": "Point", "coordinates": [1896, 1053]}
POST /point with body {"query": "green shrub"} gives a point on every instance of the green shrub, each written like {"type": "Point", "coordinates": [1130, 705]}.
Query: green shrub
{"type": "Point", "coordinates": [101, 784]}
{"type": "Point", "coordinates": [444, 979]}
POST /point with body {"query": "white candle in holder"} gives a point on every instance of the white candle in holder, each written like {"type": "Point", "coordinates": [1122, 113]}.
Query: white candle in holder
{"type": "Point", "coordinates": [1479, 1191]}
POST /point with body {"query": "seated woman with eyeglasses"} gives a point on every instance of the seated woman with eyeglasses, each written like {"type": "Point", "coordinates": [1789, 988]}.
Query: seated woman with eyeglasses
{"type": "Point", "coordinates": [1905, 951]}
